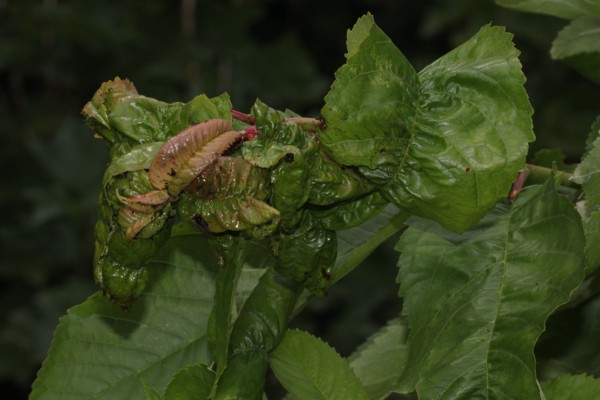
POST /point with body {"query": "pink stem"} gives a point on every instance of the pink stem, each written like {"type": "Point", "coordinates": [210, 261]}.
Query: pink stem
{"type": "Point", "coordinates": [240, 116]}
{"type": "Point", "coordinates": [518, 185]}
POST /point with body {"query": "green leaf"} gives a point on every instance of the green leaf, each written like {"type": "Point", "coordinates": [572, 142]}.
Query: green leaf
{"type": "Point", "coordinates": [139, 157]}
{"type": "Point", "coordinates": [369, 102]}
{"type": "Point", "coordinates": [355, 244]}
{"type": "Point", "coordinates": [578, 45]}
{"type": "Point", "coordinates": [477, 302]}
{"type": "Point", "coordinates": [379, 362]}
{"type": "Point", "coordinates": [310, 369]}
{"type": "Point", "coordinates": [346, 215]}
{"type": "Point", "coordinates": [120, 115]}
{"type": "Point", "coordinates": [587, 174]}
{"type": "Point", "coordinates": [231, 196]}
{"type": "Point", "coordinates": [570, 387]}
{"type": "Point", "coordinates": [149, 392]}
{"type": "Point", "coordinates": [230, 249]}
{"type": "Point", "coordinates": [551, 158]}
{"type": "Point", "coordinates": [569, 9]}
{"type": "Point", "coordinates": [258, 329]}
{"type": "Point", "coordinates": [445, 144]}
{"type": "Point", "coordinates": [591, 227]}
{"type": "Point", "coordinates": [190, 383]}
{"type": "Point", "coordinates": [100, 351]}
{"type": "Point", "coordinates": [592, 136]}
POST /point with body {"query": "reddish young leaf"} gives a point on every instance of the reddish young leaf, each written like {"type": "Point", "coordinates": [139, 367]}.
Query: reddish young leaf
{"type": "Point", "coordinates": [187, 154]}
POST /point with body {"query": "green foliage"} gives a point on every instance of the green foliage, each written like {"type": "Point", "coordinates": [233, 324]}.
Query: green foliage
{"type": "Point", "coordinates": [380, 361]}
{"type": "Point", "coordinates": [224, 226]}
{"type": "Point", "coordinates": [569, 9]}
{"type": "Point", "coordinates": [572, 388]}
{"type": "Point", "coordinates": [578, 43]}
{"type": "Point", "coordinates": [310, 369]}
{"type": "Point", "coordinates": [190, 383]}
{"type": "Point", "coordinates": [110, 351]}
{"type": "Point", "coordinates": [443, 144]}
{"type": "Point", "coordinates": [477, 302]}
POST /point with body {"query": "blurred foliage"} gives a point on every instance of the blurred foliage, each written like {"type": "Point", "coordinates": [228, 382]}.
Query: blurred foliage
{"type": "Point", "coordinates": [55, 53]}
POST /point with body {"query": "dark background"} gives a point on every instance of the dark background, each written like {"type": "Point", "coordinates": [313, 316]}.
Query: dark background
{"type": "Point", "coordinates": [55, 53]}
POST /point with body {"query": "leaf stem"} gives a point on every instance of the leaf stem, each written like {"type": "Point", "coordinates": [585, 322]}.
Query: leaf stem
{"type": "Point", "coordinates": [307, 123]}
{"type": "Point", "coordinates": [246, 118]}
{"type": "Point", "coordinates": [537, 174]}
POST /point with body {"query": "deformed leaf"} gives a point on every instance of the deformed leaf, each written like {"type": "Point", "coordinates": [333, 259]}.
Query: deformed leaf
{"type": "Point", "coordinates": [133, 221]}
{"type": "Point", "coordinates": [183, 157]}
{"type": "Point", "coordinates": [477, 302]}
{"type": "Point", "coordinates": [444, 144]}
{"type": "Point", "coordinates": [310, 369]}
{"type": "Point", "coordinates": [228, 196]}
{"type": "Point", "coordinates": [152, 198]}
{"type": "Point", "coordinates": [125, 118]}
{"type": "Point", "coordinates": [370, 108]}
{"type": "Point", "coordinates": [307, 256]}
{"type": "Point", "coordinates": [138, 158]}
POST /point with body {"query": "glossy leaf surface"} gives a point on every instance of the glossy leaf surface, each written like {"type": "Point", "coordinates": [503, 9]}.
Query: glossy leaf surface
{"type": "Point", "coordinates": [477, 302]}
{"type": "Point", "coordinates": [230, 195]}
{"type": "Point", "coordinates": [123, 117]}
{"type": "Point", "coordinates": [310, 369]}
{"type": "Point", "coordinates": [443, 144]}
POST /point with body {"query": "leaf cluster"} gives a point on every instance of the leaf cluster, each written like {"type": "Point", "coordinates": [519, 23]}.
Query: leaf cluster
{"type": "Point", "coordinates": [479, 274]}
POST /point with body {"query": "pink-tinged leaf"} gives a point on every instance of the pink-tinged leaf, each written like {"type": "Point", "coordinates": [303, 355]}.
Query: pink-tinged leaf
{"type": "Point", "coordinates": [153, 198]}
{"type": "Point", "coordinates": [186, 155]}
{"type": "Point", "coordinates": [133, 221]}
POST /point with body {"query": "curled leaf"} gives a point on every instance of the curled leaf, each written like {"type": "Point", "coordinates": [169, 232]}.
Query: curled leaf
{"type": "Point", "coordinates": [444, 143]}
{"type": "Point", "coordinates": [228, 196]}
{"type": "Point", "coordinates": [133, 221]}
{"type": "Point", "coordinates": [154, 197]}
{"type": "Point", "coordinates": [307, 256]}
{"type": "Point", "coordinates": [183, 157]}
